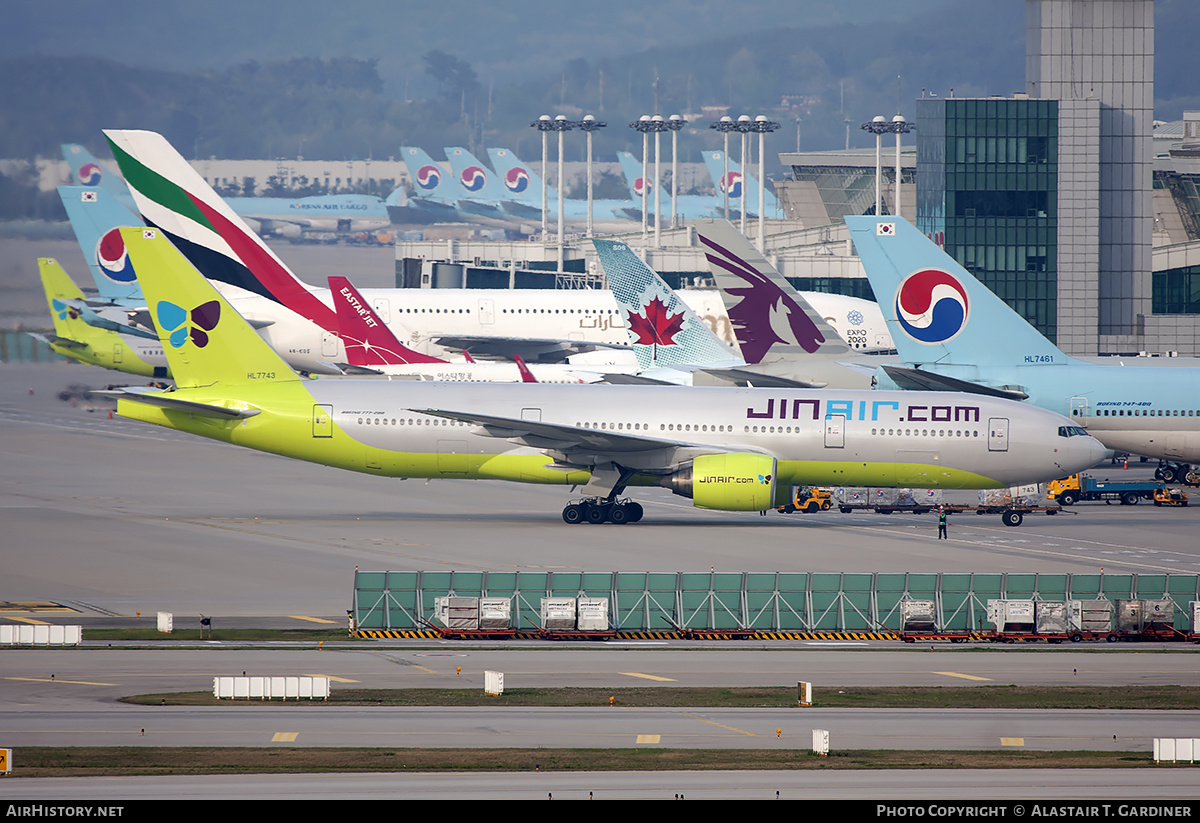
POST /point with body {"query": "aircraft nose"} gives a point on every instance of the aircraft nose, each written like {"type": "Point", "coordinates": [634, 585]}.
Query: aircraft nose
{"type": "Point", "coordinates": [1088, 451]}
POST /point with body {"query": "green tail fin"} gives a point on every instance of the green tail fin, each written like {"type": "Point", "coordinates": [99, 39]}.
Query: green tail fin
{"type": "Point", "coordinates": [205, 340]}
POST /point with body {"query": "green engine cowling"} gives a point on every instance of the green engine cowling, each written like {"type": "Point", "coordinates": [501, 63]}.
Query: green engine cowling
{"type": "Point", "coordinates": [729, 482]}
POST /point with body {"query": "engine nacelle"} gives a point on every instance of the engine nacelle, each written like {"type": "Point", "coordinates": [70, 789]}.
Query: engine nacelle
{"type": "Point", "coordinates": [729, 482]}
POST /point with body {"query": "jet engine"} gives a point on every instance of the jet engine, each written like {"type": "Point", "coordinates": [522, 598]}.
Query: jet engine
{"type": "Point", "coordinates": [729, 482]}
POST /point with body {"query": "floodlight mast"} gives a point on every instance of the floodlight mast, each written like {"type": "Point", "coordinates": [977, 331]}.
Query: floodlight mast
{"type": "Point", "coordinates": [589, 124]}
{"type": "Point", "coordinates": [545, 125]}
{"type": "Point", "coordinates": [725, 125]}
{"type": "Point", "coordinates": [675, 122]}
{"type": "Point", "coordinates": [648, 125]}
{"type": "Point", "coordinates": [762, 126]}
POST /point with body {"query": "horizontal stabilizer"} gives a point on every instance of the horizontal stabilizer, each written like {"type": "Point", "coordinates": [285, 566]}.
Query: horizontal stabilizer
{"type": "Point", "coordinates": [918, 380]}
{"type": "Point", "coordinates": [155, 397]}
{"type": "Point", "coordinates": [65, 342]}
{"type": "Point", "coordinates": [633, 380]}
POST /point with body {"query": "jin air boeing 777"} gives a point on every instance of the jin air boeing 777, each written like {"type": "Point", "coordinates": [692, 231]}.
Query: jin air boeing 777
{"type": "Point", "coordinates": [726, 449]}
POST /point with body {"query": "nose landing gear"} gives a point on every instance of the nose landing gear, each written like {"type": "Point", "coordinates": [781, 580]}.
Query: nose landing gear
{"type": "Point", "coordinates": [597, 510]}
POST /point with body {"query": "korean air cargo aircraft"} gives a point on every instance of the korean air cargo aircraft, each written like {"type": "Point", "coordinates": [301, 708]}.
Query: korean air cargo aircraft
{"type": "Point", "coordinates": [952, 332]}
{"type": "Point", "coordinates": [740, 186]}
{"type": "Point", "coordinates": [688, 206]}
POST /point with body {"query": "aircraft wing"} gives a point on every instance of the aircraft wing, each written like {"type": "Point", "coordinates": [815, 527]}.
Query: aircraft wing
{"type": "Point", "coordinates": [575, 446]}
{"type": "Point", "coordinates": [155, 397]}
{"type": "Point", "coordinates": [531, 348]}
{"type": "Point", "coordinates": [759, 380]}
{"type": "Point", "coordinates": [918, 380]}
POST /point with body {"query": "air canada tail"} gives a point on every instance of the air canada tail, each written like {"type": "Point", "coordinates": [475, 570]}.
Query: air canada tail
{"type": "Point", "coordinates": [368, 341]}
{"type": "Point", "coordinates": [206, 342]}
{"type": "Point", "coordinates": [770, 319]}
{"type": "Point", "coordinates": [663, 331]}
{"type": "Point", "coordinates": [935, 309]}
{"type": "Point", "coordinates": [173, 197]}
{"type": "Point", "coordinates": [95, 217]}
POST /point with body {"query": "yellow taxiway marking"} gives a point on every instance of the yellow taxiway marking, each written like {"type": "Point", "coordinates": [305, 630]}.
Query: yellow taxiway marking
{"type": "Point", "coordinates": [718, 725]}
{"type": "Point", "coordinates": [334, 679]}
{"type": "Point", "coordinates": [28, 620]}
{"type": "Point", "coordinates": [1012, 741]}
{"type": "Point", "coordinates": [648, 676]}
{"type": "Point", "coordinates": [56, 680]}
{"type": "Point", "coordinates": [963, 676]}
{"type": "Point", "coordinates": [285, 737]}
{"type": "Point", "coordinates": [311, 619]}
{"type": "Point", "coordinates": [649, 738]}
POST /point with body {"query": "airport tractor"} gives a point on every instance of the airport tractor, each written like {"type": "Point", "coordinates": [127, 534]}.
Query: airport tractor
{"type": "Point", "coordinates": [1071, 490]}
{"type": "Point", "coordinates": [808, 499]}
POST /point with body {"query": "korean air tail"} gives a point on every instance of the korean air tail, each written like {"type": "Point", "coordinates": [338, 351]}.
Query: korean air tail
{"type": "Point", "coordinates": [631, 167]}
{"type": "Point", "coordinates": [521, 182]}
{"type": "Point", "coordinates": [206, 342]}
{"type": "Point", "coordinates": [738, 184]}
{"type": "Point", "coordinates": [87, 171]}
{"type": "Point", "coordinates": [172, 197]}
{"type": "Point", "coordinates": [771, 321]}
{"type": "Point", "coordinates": [663, 331]}
{"type": "Point", "coordinates": [430, 180]}
{"type": "Point", "coordinates": [478, 182]}
{"type": "Point", "coordinates": [368, 341]}
{"type": "Point", "coordinates": [95, 217]}
{"type": "Point", "coordinates": [936, 311]}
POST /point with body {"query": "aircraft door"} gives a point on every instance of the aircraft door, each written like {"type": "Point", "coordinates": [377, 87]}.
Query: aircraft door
{"type": "Point", "coordinates": [322, 420]}
{"type": "Point", "coordinates": [329, 344]}
{"type": "Point", "coordinates": [487, 312]}
{"type": "Point", "coordinates": [382, 308]}
{"type": "Point", "coordinates": [835, 431]}
{"type": "Point", "coordinates": [1079, 410]}
{"type": "Point", "coordinates": [118, 352]}
{"type": "Point", "coordinates": [997, 434]}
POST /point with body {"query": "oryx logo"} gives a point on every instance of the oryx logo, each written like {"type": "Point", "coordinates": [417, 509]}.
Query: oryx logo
{"type": "Point", "coordinates": [112, 258]}
{"type": "Point", "coordinates": [473, 178]}
{"type": "Point", "coordinates": [731, 183]}
{"type": "Point", "coordinates": [90, 174]}
{"type": "Point", "coordinates": [932, 306]}
{"type": "Point", "coordinates": [516, 180]}
{"type": "Point", "coordinates": [428, 177]}
{"type": "Point", "coordinates": [180, 324]}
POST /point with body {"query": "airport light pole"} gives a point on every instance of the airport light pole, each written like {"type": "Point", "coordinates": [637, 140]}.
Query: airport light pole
{"type": "Point", "coordinates": [647, 125]}
{"type": "Point", "coordinates": [878, 127]}
{"type": "Point", "coordinates": [545, 125]}
{"type": "Point", "coordinates": [561, 124]}
{"type": "Point", "coordinates": [589, 124]}
{"type": "Point", "coordinates": [762, 126]}
{"type": "Point", "coordinates": [725, 125]}
{"type": "Point", "coordinates": [675, 122]}
{"type": "Point", "coordinates": [744, 126]}
{"type": "Point", "coordinates": [900, 126]}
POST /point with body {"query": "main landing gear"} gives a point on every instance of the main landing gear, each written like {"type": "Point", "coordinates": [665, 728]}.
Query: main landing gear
{"type": "Point", "coordinates": [597, 510]}
{"type": "Point", "coordinates": [1177, 473]}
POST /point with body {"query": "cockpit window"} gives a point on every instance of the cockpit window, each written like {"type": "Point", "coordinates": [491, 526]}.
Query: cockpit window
{"type": "Point", "coordinates": [1071, 431]}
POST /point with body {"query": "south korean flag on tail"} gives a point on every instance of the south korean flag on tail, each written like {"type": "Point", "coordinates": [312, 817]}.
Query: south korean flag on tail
{"type": "Point", "coordinates": [87, 197]}
{"type": "Point", "coordinates": [885, 229]}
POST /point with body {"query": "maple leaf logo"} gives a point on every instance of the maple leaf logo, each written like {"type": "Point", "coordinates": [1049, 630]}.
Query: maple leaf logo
{"type": "Point", "coordinates": [656, 326]}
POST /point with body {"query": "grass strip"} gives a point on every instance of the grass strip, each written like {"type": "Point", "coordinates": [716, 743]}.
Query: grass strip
{"type": "Point", "coordinates": [63, 761]}
{"type": "Point", "coordinates": [1160, 698]}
